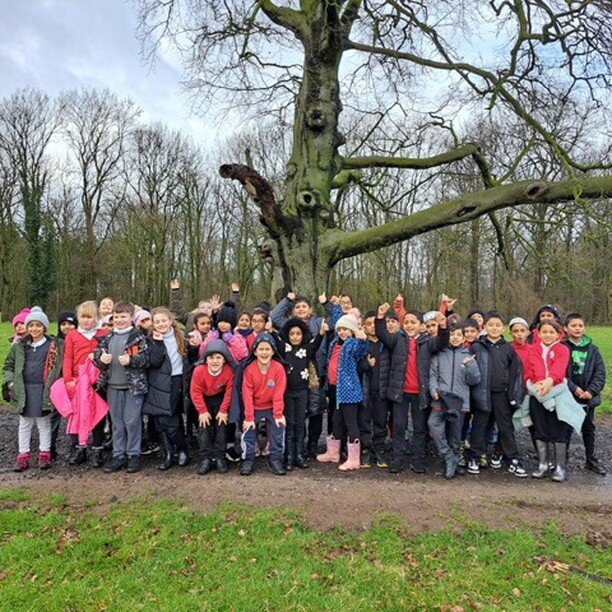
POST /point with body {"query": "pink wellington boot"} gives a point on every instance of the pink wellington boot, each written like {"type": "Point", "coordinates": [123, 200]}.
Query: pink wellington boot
{"type": "Point", "coordinates": [332, 455]}
{"type": "Point", "coordinates": [44, 460]}
{"type": "Point", "coordinates": [22, 463]}
{"type": "Point", "coordinates": [353, 461]}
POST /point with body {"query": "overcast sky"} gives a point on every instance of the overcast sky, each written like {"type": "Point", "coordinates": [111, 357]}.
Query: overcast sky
{"type": "Point", "coordinates": [56, 45]}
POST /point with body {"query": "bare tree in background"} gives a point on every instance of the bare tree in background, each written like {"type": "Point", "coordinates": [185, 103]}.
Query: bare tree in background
{"type": "Point", "coordinates": [96, 125]}
{"type": "Point", "coordinates": [28, 120]}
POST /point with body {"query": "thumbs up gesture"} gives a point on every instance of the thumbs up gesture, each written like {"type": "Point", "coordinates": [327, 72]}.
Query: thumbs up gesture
{"type": "Point", "coordinates": [106, 357]}
{"type": "Point", "coordinates": [124, 359]}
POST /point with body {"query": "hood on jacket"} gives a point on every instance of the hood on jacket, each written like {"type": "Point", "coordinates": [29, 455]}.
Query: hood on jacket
{"type": "Point", "coordinates": [218, 346]}
{"type": "Point", "coordinates": [545, 308]}
{"type": "Point", "coordinates": [269, 338]}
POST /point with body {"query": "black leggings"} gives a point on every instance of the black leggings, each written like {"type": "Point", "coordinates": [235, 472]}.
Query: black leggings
{"type": "Point", "coordinates": [345, 419]}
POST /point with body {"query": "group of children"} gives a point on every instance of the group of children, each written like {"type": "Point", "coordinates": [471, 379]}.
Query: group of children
{"type": "Point", "coordinates": [260, 382]}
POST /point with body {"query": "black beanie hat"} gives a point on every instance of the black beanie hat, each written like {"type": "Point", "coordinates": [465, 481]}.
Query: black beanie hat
{"type": "Point", "coordinates": [228, 313]}
{"type": "Point", "coordinates": [67, 315]}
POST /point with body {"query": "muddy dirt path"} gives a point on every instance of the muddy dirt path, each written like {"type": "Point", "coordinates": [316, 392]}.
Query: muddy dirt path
{"type": "Point", "coordinates": [327, 497]}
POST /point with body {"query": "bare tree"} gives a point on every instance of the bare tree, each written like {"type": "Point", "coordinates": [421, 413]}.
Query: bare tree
{"type": "Point", "coordinates": [96, 125]}
{"type": "Point", "coordinates": [401, 50]}
{"type": "Point", "coordinates": [28, 120]}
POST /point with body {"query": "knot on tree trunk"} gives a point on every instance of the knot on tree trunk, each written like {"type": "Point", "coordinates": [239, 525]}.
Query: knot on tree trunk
{"type": "Point", "coordinates": [536, 190]}
{"type": "Point", "coordinates": [266, 251]}
{"type": "Point", "coordinates": [308, 201]}
{"type": "Point", "coordinates": [316, 119]}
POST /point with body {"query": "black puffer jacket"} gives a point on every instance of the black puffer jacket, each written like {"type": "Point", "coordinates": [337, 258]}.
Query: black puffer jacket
{"type": "Point", "coordinates": [481, 393]}
{"type": "Point", "coordinates": [398, 345]}
{"type": "Point", "coordinates": [159, 375]}
{"type": "Point", "coordinates": [136, 371]}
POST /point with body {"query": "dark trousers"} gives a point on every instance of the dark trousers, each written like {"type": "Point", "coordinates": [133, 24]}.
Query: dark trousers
{"type": "Point", "coordinates": [410, 404]}
{"type": "Point", "coordinates": [446, 433]}
{"type": "Point", "coordinates": [172, 425]}
{"type": "Point", "coordinates": [276, 437]}
{"type": "Point", "coordinates": [56, 420]}
{"type": "Point", "coordinates": [546, 424]}
{"type": "Point", "coordinates": [502, 412]}
{"type": "Point", "coordinates": [296, 404]}
{"type": "Point", "coordinates": [345, 420]}
{"type": "Point", "coordinates": [315, 422]}
{"type": "Point", "coordinates": [478, 437]}
{"type": "Point", "coordinates": [588, 433]}
{"type": "Point", "coordinates": [212, 438]}
{"type": "Point", "coordinates": [373, 419]}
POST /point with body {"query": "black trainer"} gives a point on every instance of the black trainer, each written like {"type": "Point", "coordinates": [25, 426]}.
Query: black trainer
{"type": "Point", "coordinates": [204, 467]}
{"type": "Point", "coordinates": [246, 469]}
{"type": "Point", "coordinates": [595, 465]}
{"type": "Point", "coordinates": [133, 464]}
{"type": "Point", "coordinates": [276, 467]}
{"type": "Point", "coordinates": [116, 464]}
{"type": "Point", "coordinates": [222, 465]}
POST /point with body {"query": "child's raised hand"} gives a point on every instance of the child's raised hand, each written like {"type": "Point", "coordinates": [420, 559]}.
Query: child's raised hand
{"type": "Point", "coordinates": [124, 359]}
{"type": "Point", "coordinates": [195, 340]}
{"type": "Point", "coordinates": [235, 287]}
{"type": "Point", "coordinates": [360, 334]}
{"type": "Point", "coordinates": [106, 357]}
{"type": "Point", "coordinates": [291, 296]}
{"type": "Point", "coordinates": [468, 359]}
{"type": "Point", "coordinates": [204, 419]}
{"type": "Point", "coordinates": [268, 326]}
{"type": "Point", "coordinates": [215, 303]}
{"type": "Point", "coordinates": [246, 425]}
{"type": "Point", "coordinates": [322, 298]}
{"type": "Point", "coordinates": [383, 309]}
{"type": "Point", "coordinates": [334, 299]}
{"type": "Point", "coordinates": [441, 319]}
{"type": "Point", "coordinates": [175, 284]}
{"type": "Point", "coordinates": [324, 328]}
{"type": "Point", "coordinates": [222, 418]}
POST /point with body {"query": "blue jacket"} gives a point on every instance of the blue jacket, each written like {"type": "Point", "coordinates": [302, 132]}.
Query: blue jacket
{"type": "Point", "coordinates": [348, 388]}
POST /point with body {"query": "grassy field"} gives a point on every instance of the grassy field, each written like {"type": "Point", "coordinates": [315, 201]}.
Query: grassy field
{"type": "Point", "coordinates": [602, 336]}
{"type": "Point", "coordinates": [160, 555]}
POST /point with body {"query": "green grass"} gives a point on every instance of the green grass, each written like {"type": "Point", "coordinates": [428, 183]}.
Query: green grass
{"type": "Point", "coordinates": [602, 336]}
{"type": "Point", "coordinates": [159, 554]}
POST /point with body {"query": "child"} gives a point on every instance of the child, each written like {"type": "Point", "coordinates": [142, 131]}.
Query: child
{"type": "Point", "coordinates": [19, 325]}
{"type": "Point", "coordinates": [66, 322]}
{"type": "Point", "coordinates": [586, 376]}
{"type": "Point", "coordinates": [549, 410]}
{"type": "Point", "coordinates": [346, 350]}
{"type": "Point", "coordinates": [227, 319]}
{"type": "Point", "coordinates": [301, 308]}
{"type": "Point", "coordinates": [547, 312]}
{"type": "Point", "coordinates": [499, 392]}
{"type": "Point", "coordinates": [88, 409]}
{"type": "Point", "coordinates": [31, 367]}
{"type": "Point", "coordinates": [164, 399]}
{"type": "Point", "coordinates": [142, 320]}
{"type": "Point", "coordinates": [300, 350]}
{"type": "Point", "coordinates": [211, 394]}
{"type": "Point", "coordinates": [374, 416]}
{"type": "Point", "coordinates": [264, 382]}
{"type": "Point", "coordinates": [122, 357]}
{"type": "Point", "coordinates": [106, 307]}
{"type": "Point", "coordinates": [478, 315]}
{"type": "Point", "coordinates": [243, 327]}
{"type": "Point", "coordinates": [408, 387]}
{"type": "Point", "coordinates": [431, 322]}
{"type": "Point", "coordinates": [452, 372]}
{"type": "Point", "coordinates": [471, 330]}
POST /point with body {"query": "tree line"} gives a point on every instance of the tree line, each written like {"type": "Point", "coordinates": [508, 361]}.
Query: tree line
{"type": "Point", "coordinates": [95, 201]}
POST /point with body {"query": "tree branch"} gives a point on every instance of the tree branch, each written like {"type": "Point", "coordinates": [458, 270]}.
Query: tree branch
{"type": "Point", "coordinates": [449, 212]}
{"type": "Point", "coordinates": [284, 17]}
{"type": "Point", "coordinates": [413, 163]}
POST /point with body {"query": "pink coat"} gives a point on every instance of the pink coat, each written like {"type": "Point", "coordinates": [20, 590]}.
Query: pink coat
{"type": "Point", "coordinates": [236, 345]}
{"type": "Point", "coordinates": [86, 409]}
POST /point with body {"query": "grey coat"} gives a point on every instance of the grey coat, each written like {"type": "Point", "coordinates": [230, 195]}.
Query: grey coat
{"type": "Point", "coordinates": [447, 373]}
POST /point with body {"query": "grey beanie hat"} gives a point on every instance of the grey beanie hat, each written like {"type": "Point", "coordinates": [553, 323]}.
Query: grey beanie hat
{"type": "Point", "coordinates": [37, 314]}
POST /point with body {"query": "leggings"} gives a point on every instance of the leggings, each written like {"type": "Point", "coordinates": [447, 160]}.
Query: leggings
{"type": "Point", "coordinates": [345, 419]}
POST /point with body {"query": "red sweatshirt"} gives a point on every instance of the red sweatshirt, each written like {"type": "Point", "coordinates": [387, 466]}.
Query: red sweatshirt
{"type": "Point", "coordinates": [554, 365]}
{"type": "Point", "coordinates": [332, 367]}
{"type": "Point", "coordinates": [204, 384]}
{"type": "Point", "coordinates": [76, 349]}
{"type": "Point", "coordinates": [264, 391]}
{"type": "Point", "coordinates": [411, 376]}
{"type": "Point", "coordinates": [524, 351]}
